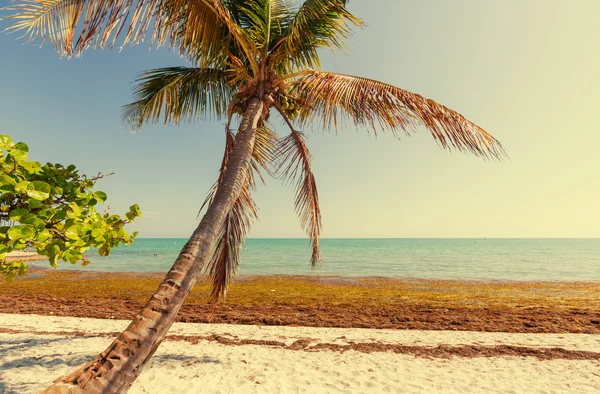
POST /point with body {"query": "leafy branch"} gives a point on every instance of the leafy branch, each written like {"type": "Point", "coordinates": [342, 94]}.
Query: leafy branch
{"type": "Point", "coordinates": [52, 208]}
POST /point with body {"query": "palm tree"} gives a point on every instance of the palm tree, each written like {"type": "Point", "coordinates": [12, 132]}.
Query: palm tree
{"type": "Point", "coordinates": [248, 58]}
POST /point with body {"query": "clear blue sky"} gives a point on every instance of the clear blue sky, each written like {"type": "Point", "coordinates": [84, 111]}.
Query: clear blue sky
{"type": "Point", "coordinates": [526, 71]}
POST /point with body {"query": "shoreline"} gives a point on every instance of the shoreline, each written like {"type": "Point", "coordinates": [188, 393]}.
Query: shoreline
{"type": "Point", "coordinates": [24, 256]}
{"type": "Point", "coordinates": [372, 302]}
{"type": "Point", "coordinates": [241, 277]}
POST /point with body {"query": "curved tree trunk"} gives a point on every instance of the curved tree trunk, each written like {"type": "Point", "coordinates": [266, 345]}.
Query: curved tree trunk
{"type": "Point", "coordinates": [114, 370]}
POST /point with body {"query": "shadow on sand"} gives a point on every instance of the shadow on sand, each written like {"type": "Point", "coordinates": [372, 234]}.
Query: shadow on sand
{"type": "Point", "coordinates": [20, 369]}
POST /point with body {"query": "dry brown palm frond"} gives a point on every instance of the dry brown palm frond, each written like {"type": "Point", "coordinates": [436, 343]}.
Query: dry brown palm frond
{"type": "Point", "coordinates": [264, 150]}
{"type": "Point", "coordinates": [236, 71]}
{"type": "Point", "coordinates": [294, 165]}
{"type": "Point", "coordinates": [224, 262]}
{"type": "Point", "coordinates": [262, 158]}
{"type": "Point", "coordinates": [229, 141]}
{"type": "Point", "coordinates": [371, 103]}
{"type": "Point", "coordinates": [200, 29]}
{"type": "Point", "coordinates": [225, 259]}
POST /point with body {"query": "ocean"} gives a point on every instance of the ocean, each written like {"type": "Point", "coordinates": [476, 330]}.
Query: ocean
{"type": "Point", "coordinates": [478, 259]}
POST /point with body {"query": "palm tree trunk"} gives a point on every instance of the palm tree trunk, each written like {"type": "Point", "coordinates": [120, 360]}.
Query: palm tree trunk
{"type": "Point", "coordinates": [114, 370]}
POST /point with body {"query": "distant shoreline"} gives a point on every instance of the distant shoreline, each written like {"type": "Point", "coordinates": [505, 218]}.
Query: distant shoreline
{"type": "Point", "coordinates": [24, 256]}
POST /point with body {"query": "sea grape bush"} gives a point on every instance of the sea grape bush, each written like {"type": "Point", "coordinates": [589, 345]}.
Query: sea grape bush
{"type": "Point", "coordinates": [52, 209]}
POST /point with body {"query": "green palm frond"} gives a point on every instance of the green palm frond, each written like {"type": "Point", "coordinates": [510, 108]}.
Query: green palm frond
{"type": "Point", "coordinates": [317, 24]}
{"type": "Point", "coordinates": [264, 21]}
{"type": "Point", "coordinates": [372, 103]}
{"type": "Point", "coordinates": [199, 29]}
{"type": "Point", "coordinates": [294, 165]}
{"type": "Point", "coordinates": [178, 94]}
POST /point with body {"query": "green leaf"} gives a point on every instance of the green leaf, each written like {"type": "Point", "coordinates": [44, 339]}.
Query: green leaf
{"type": "Point", "coordinates": [21, 187]}
{"type": "Point", "coordinates": [73, 232]}
{"type": "Point", "coordinates": [100, 196]}
{"type": "Point", "coordinates": [54, 261]}
{"type": "Point", "coordinates": [31, 219]}
{"type": "Point", "coordinates": [33, 203]}
{"type": "Point", "coordinates": [20, 232]}
{"type": "Point", "coordinates": [60, 215]}
{"type": "Point", "coordinates": [71, 256]}
{"type": "Point", "coordinates": [20, 150]}
{"type": "Point", "coordinates": [85, 262]}
{"type": "Point", "coordinates": [76, 209]}
{"type": "Point", "coordinates": [16, 214]}
{"type": "Point", "coordinates": [44, 235]}
{"type": "Point", "coordinates": [39, 190]}
{"type": "Point", "coordinates": [136, 209]}
{"type": "Point", "coordinates": [6, 142]}
{"type": "Point", "coordinates": [113, 219]}
{"type": "Point", "coordinates": [7, 180]}
{"type": "Point", "coordinates": [104, 250]}
{"type": "Point", "coordinates": [32, 167]}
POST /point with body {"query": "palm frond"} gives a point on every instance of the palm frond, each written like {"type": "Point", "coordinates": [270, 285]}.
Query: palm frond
{"type": "Point", "coordinates": [178, 94]}
{"type": "Point", "coordinates": [226, 257]}
{"type": "Point", "coordinates": [224, 262]}
{"type": "Point", "coordinates": [372, 103]}
{"type": "Point", "coordinates": [229, 141]}
{"type": "Point", "coordinates": [264, 20]}
{"type": "Point", "coordinates": [317, 24]}
{"type": "Point", "coordinates": [247, 46]}
{"type": "Point", "coordinates": [265, 146]}
{"type": "Point", "coordinates": [237, 71]}
{"type": "Point", "coordinates": [263, 156]}
{"type": "Point", "coordinates": [294, 165]}
{"type": "Point", "coordinates": [199, 29]}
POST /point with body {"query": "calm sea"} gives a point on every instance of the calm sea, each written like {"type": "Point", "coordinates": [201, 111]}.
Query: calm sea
{"type": "Point", "coordinates": [487, 259]}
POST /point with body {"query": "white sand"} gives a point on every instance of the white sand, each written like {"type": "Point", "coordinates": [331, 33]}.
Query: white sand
{"type": "Point", "coordinates": [29, 361]}
{"type": "Point", "coordinates": [23, 255]}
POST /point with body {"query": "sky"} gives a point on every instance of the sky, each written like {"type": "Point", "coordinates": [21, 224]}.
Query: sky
{"type": "Point", "coordinates": [526, 71]}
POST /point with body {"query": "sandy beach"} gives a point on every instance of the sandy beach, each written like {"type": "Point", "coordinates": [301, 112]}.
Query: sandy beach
{"type": "Point", "coordinates": [313, 335]}
{"type": "Point", "coordinates": [22, 255]}
{"type": "Point", "coordinates": [224, 358]}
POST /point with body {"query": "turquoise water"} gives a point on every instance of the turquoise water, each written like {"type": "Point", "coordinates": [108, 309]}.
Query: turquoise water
{"type": "Point", "coordinates": [488, 259]}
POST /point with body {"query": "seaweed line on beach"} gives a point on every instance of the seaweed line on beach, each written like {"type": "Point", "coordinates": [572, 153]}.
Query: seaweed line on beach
{"type": "Point", "coordinates": [309, 345]}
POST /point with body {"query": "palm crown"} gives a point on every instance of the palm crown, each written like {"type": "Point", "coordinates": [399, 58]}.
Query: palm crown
{"type": "Point", "coordinates": [238, 50]}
